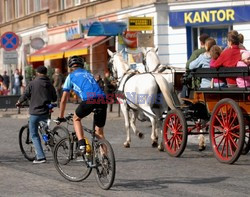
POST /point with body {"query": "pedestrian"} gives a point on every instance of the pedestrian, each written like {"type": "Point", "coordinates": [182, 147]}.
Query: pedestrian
{"type": "Point", "coordinates": [40, 92]}
{"type": "Point", "coordinates": [100, 82]}
{"type": "Point", "coordinates": [85, 86]}
{"type": "Point", "coordinates": [109, 89]}
{"type": "Point", "coordinates": [6, 80]}
{"type": "Point", "coordinates": [3, 88]}
{"type": "Point", "coordinates": [17, 82]}
{"type": "Point", "coordinates": [58, 80]}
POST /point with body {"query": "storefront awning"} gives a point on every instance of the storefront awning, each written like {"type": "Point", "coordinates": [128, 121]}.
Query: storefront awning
{"type": "Point", "coordinates": [65, 49]}
{"type": "Point", "coordinates": [107, 28]}
{"type": "Point", "coordinates": [82, 47]}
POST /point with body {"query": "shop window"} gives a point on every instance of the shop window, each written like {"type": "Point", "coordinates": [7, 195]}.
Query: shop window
{"type": "Point", "coordinates": [218, 33]}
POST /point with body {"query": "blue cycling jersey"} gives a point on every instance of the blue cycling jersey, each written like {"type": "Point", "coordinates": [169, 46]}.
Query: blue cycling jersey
{"type": "Point", "coordinates": [83, 84]}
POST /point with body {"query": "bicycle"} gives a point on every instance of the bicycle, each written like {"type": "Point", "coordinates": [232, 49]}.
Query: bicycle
{"type": "Point", "coordinates": [75, 166]}
{"type": "Point", "coordinates": [50, 137]}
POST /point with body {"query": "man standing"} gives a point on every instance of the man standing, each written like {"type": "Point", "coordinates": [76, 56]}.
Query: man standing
{"type": "Point", "coordinates": [58, 80]}
{"type": "Point", "coordinates": [6, 80]}
{"type": "Point", "coordinates": [40, 92]}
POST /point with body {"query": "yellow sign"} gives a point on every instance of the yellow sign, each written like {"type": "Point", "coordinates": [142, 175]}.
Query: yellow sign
{"type": "Point", "coordinates": [209, 16]}
{"type": "Point", "coordinates": [140, 23]}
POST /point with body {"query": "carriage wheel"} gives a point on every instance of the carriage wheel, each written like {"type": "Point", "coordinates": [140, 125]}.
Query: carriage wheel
{"type": "Point", "coordinates": [175, 133]}
{"type": "Point", "coordinates": [227, 131]}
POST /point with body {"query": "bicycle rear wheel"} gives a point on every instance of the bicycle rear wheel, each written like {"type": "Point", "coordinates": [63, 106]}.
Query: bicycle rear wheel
{"type": "Point", "coordinates": [68, 163]}
{"type": "Point", "coordinates": [25, 143]}
{"type": "Point", "coordinates": [105, 161]}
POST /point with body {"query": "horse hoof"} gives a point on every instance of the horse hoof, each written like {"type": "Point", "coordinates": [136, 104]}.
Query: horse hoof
{"type": "Point", "coordinates": [126, 145]}
{"type": "Point", "coordinates": [160, 148]}
{"type": "Point", "coordinates": [202, 148]}
{"type": "Point", "coordinates": [154, 144]}
{"type": "Point", "coordinates": [141, 135]}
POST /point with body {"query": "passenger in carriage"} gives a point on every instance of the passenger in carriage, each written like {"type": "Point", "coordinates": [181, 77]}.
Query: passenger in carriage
{"type": "Point", "coordinates": [196, 53]}
{"type": "Point", "coordinates": [241, 40]}
{"type": "Point", "coordinates": [243, 81]}
{"type": "Point", "coordinates": [230, 56]}
{"type": "Point", "coordinates": [215, 52]}
{"type": "Point", "coordinates": [203, 61]}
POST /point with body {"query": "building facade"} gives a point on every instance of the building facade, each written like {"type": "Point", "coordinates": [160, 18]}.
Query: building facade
{"type": "Point", "coordinates": [176, 27]}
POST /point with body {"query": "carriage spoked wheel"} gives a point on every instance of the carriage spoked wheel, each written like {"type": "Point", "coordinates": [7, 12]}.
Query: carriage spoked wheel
{"type": "Point", "coordinates": [227, 131]}
{"type": "Point", "coordinates": [175, 133]}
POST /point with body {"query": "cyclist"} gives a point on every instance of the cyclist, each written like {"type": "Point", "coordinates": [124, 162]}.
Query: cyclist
{"type": "Point", "coordinates": [40, 92]}
{"type": "Point", "coordinates": [85, 86]}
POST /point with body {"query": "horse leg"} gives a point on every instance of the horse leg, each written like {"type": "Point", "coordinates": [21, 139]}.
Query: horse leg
{"type": "Point", "coordinates": [127, 125]}
{"type": "Point", "coordinates": [202, 143]}
{"type": "Point", "coordinates": [153, 137]}
{"type": "Point", "coordinates": [133, 124]}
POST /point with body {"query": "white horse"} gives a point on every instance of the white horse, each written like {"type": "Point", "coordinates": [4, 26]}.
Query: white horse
{"type": "Point", "coordinates": [152, 63]}
{"type": "Point", "coordinates": [140, 94]}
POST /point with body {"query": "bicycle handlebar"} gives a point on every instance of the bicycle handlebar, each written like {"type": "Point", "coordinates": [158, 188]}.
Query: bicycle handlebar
{"type": "Point", "coordinates": [68, 118]}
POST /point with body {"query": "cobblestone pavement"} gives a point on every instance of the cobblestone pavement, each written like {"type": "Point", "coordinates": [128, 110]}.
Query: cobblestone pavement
{"type": "Point", "coordinates": [141, 169]}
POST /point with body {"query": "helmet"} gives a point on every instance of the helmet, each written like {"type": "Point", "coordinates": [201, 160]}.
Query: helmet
{"type": "Point", "coordinates": [75, 60]}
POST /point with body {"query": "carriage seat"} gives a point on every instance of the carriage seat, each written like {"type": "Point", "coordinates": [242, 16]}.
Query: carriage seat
{"type": "Point", "coordinates": [222, 72]}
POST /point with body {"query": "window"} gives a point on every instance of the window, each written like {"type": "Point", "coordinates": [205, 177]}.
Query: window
{"type": "Point", "coordinates": [77, 2]}
{"type": "Point", "coordinates": [7, 10]}
{"type": "Point", "coordinates": [17, 9]}
{"type": "Point", "coordinates": [37, 5]}
{"type": "Point", "coordinates": [27, 7]}
{"type": "Point", "coordinates": [62, 4]}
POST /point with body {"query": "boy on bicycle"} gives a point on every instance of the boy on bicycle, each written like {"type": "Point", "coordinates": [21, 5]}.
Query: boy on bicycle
{"type": "Point", "coordinates": [85, 86]}
{"type": "Point", "coordinates": [40, 92]}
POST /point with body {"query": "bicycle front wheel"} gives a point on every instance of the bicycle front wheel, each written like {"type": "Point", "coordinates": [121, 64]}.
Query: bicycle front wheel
{"type": "Point", "coordinates": [25, 143]}
{"type": "Point", "coordinates": [105, 164]}
{"type": "Point", "coordinates": [56, 134]}
{"type": "Point", "coordinates": [68, 162]}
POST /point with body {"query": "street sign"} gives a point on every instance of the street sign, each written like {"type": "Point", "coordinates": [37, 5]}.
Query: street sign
{"type": "Point", "coordinates": [9, 41]}
{"type": "Point", "coordinates": [140, 23]}
{"type": "Point", "coordinates": [10, 57]}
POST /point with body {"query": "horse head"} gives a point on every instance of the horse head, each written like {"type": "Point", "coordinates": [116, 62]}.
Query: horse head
{"type": "Point", "coordinates": [117, 64]}
{"type": "Point", "coordinates": [151, 59]}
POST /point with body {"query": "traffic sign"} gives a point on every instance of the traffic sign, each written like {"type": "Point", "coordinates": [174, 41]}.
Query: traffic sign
{"type": "Point", "coordinates": [9, 41]}
{"type": "Point", "coordinates": [10, 57]}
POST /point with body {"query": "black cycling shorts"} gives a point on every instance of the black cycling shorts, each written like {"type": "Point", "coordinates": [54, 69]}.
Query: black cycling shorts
{"type": "Point", "coordinates": [84, 109]}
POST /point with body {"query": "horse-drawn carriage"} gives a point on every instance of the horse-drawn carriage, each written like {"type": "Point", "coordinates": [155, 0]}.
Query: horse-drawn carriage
{"type": "Point", "coordinates": [223, 113]}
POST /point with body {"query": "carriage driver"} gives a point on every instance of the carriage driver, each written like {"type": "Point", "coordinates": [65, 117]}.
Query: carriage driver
{"type": "Point", "coordinates": [85, 86]}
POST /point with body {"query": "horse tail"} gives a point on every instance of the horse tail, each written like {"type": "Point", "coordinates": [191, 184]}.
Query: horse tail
{"type": "Point", "coordinates": [165, 89]}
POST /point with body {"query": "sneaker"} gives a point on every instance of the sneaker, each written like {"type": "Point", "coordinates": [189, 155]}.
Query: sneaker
{"type": "Point", "coordinates": [40, 160]}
